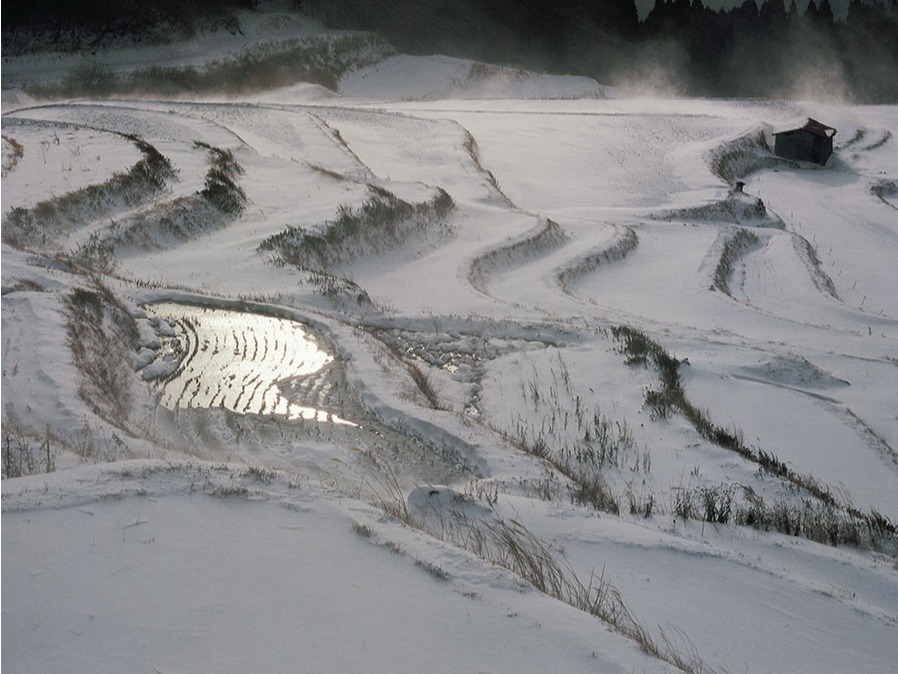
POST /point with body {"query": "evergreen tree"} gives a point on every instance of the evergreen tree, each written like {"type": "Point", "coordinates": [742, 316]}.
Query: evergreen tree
{"type": "Point", "coordinates": [656, 23]}
{"type": "Point", "coordinates": [793, 15]}
{"type": "Point", "coordinates": [825, 14]}
{"type": "Point", "coordinates": [744, 18]}
{"type": "Point", "coordinates": [860, 15]}
{"type": "Point", "coordinates": [869, 44]}
{"type": "Point", "coordinates": [607, 18]}
{"type": "Point", "coordinates": [810, 13]}
{"type": "Point", "coordinates": [772, 15]}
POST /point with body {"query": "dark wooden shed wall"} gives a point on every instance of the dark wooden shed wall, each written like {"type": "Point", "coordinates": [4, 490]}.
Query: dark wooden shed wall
{"type": "Point", "coordinates": [803, 146]}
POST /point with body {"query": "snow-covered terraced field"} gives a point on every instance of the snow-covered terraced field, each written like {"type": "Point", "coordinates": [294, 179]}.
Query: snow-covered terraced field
{"type": "Point", "coordinates": [576, 347]}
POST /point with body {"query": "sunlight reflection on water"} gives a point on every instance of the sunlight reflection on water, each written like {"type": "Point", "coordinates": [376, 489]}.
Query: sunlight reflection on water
{"type": "Point", "coordinates": [236, 360]}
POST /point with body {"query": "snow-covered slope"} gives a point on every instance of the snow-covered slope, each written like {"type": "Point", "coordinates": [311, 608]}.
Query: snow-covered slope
{"type": "Point", "coordinates": [440, 77]}
{"type": "Point", "coordinates": [535, 339]}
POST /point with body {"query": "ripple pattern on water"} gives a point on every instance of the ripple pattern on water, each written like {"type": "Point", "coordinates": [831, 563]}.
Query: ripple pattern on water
{"type": "Point", "coordinates": [237, 360]}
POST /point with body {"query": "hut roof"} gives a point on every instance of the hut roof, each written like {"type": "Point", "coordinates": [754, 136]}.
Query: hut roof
{"type": "Point", "coordinates": [814, 127]}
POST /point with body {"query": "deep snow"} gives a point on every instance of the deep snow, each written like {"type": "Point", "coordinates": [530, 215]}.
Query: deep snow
{"type": "Point", "coordinates": [178, 538]}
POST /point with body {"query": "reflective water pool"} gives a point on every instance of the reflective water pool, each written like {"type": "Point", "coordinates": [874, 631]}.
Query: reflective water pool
{"type": "Point", "coordinates": [238, 361]}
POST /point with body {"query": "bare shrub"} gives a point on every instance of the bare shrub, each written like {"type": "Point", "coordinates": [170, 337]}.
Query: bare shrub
{"type": "Point", "coordinates": [508, 544]}
{"type": "Point", "coordinates": [317, 59]}
{"type": "Point", "coordinates": [433, 569]}
{"type": "Point", "coordinates": [884, 190]}
{"type": "Point", "coordinates": [587, 486]}
{"type": "Point", "coordinates": [739, 157]}
{"type": "Point", "coordinates": [102, 335]}
{"type": "Point", "coordinates": [89, 78]}
{"type": "Point", "coordinates": [383, 222]}
{"type": "Point", "coordinates": [642, 505]}
{"type": "Point", "coordinates": [545, 237]}
{"type": "Point", "coordinates": [622, 245]}
{"type": "Point", "coordinates": [381, 483]}
{"type": "Point", "coordinates": [182, 219]}
{"type": "Point", "coordinates": [684, 503]}
{"type": "Point", "coordinates": [221, 189]}
{"type": "Point", "coordinates": [25, 452]}
{"type": "Point", "coordinates": [18, 151]}
{"type": "Point", "coordinates": [424, 383]}
{"type": "Point", "coordinates": [39, 225]}
{"type": "Point", "coordinates": [735, 247]}
{"type": "Point", "coordinates": [473, 151]}
{"type": "Point", "coordinates": [590, 489]}
{"type": "Point", "coordinates": [717, 503]}
{"type": "Point", "coordinates": [97, 443]}
{"type": "Point", "coordinates": [20, 228]}
{"type": "Point", "coordinates": [808, 254]}
{"type": "Point", "coordinates": [95, 254]}
{"type": "Point", "coordinates": [828, 519]}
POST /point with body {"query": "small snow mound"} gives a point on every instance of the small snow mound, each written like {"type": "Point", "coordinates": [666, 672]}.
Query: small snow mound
{"type": "Point", "coordinates": [163, 368]}
{"type": "Point", "coordinates": [434, 498]}
{"type": "Point", "coordinates": [794, 371]}
{"type": "Point", "coordinates": [163, 328]}
{"type": "Point", "coordinates": [16, 98]}
{"type": "Point", "coordinates": [298, 93]}
{"type": "Point", "coordinates": [886, 190]}
{"type": "Point", "coordinates": [737, 208]}
{"type": "Point", "coordinates": [739, 156]}
{"type": "Point", "coordinates": [443, 503]}
{"type": "Point", "coordinates": [143, 358]}
{"type": "Point", "coordinates": [147, 334]}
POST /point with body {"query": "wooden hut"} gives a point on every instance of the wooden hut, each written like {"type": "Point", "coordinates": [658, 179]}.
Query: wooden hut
{"type": "Point", "coordinates": [811, 142]}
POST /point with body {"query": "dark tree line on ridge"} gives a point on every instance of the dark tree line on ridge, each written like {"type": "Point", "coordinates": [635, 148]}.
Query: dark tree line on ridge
{"type": "Point", "coordinates": [775, 50]}
{"type": "Point", "coordinates": [748, 51]}
{"type": "Point", "coordinates": [771, 50]}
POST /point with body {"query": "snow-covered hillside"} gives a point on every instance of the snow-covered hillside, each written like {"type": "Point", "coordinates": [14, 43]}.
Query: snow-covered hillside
{"type": "Point", "coordinates": [457, 368]}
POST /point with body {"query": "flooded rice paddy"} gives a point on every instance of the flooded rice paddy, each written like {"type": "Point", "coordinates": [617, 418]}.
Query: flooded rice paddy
{"type": "Point", "coordinates": [239, 361]}
{"type": "Point", "coordinates": [286, 383]}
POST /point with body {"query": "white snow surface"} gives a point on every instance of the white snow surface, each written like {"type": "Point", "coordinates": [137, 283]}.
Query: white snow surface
{"type": "Point", "coordinates": [187, 538]}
